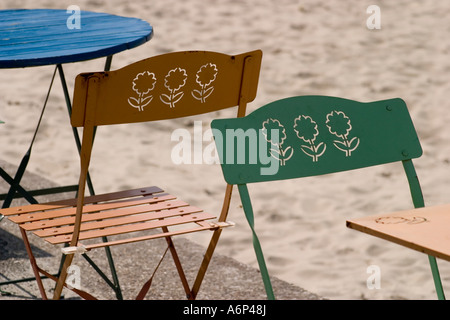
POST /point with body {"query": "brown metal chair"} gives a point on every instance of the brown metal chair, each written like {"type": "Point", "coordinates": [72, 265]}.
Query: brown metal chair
{"type": "Point", "coordinates": [162, 87]}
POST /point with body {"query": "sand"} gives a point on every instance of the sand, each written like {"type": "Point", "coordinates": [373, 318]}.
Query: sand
{"type": "Point", "coordinates": [310, 47]}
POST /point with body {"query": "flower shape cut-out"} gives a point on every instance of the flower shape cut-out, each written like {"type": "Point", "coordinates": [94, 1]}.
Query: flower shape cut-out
{"type": "Point", "coordinates": [174, 81]}
{"type": "Point", "coordinates": [142, 84]}
{"type": "Point", "coordinates": [340, 125]}
{"type": "Point", "coordinates": [205, 76]}
{"type": "Point", "coordinates": [269, 127]}
{"type": "Point", "coordinates": [306, 129]}
{"type": "Point", "coordinates": [274, 124]}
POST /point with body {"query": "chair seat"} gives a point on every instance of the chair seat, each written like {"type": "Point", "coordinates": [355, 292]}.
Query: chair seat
{"type": "Point", "coordinates": [111, 214]}
{"type": "Point", "coordinates": [423, 229]}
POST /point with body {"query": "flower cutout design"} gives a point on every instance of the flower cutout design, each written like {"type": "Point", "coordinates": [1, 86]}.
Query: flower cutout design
{"type": "Point", "coordinates": [142, 84]}
{"type": "Point", "coordinates": [274, 124]}
{"type": "Point", "coordinates": [306, 129]}
{"type": "Point", "coordinates": [174, 81]}
{"type": "Point", "coordinates": [340, 125]}
{"type": "Point", "coordinates": [205, 76]}
{"type": "Point", "coordinates": [269, 127]}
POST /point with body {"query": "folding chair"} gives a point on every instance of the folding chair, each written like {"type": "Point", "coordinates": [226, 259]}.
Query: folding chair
{"type": "Point", "coordinates": [163, 87]}
{"type": "Point", "coordinates": [313, 135]}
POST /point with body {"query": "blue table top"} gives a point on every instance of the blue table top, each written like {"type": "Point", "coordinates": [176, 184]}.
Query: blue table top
{"type": "Point", "coordinates": [36, 37]}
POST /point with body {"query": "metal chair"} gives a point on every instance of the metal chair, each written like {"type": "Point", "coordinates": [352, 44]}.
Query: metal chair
{"type": "Point", "coordinates": [314, 135]}
{"type": "Point", "coordinates": [163, 87]}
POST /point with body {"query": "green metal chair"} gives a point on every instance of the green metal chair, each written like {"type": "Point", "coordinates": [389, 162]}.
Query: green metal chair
{"type": "Point", "coordinates": [315, 135]}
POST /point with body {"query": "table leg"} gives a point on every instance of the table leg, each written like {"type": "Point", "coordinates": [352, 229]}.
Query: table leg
{"type": "Point", "coordinates": [15, 182]}
{"type": "Point", "coordinates": [23, 164]}
{"type": "Point", "coordinates": [16, 190]}
{"type": "Point", "coordinates": [16, 187]}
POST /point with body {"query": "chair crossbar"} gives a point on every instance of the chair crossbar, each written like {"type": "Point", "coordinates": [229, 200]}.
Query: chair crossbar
{"type": "Point", "coordinates": [201, 227]}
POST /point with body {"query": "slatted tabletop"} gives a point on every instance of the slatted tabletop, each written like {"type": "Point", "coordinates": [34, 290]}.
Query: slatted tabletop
{"type": "Point", "coordinates": [36, 37]}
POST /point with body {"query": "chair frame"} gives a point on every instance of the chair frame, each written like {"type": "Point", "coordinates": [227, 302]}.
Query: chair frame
{"type": "Point", "coordinates": [90, 110]}
{"type": "Point", "coordinates": [307, 157]}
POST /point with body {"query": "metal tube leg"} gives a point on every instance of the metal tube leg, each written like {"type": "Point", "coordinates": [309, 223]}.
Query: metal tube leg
{"type": "Point", "coordinates": [62, 277]}
{"type": "Point", "coordinates": [205, 263]}
{"type": "Point", "coordinates": [24, 163]}
{"type": "Point", "coordinates": [212, 244]}
{"type": "Point", "coordinates": [177, 262]}
{"type": "Point", "coordinates": [436, 278]}
{"type": "Point", "coordinates": [33, 264]}
{"type": "Point", "coordinates": [75, 131]}
{"type": "Point", "coordinates": [107, 249]}
{"type": "Point", "coordinates": [89, 180]}
{"type": "Point", "coordinates": [16, 182]}
{"type": "Point", "coordinates": [17, 187]}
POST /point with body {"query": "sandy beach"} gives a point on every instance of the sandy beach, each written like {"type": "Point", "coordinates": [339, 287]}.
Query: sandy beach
{"type": "Point", "coordinates": [309, 47]}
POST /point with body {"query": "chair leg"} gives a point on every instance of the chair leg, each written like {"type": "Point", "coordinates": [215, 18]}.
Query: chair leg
{"type": "Point", "coordinates": [176, 259]}
{"type": "Point", "coordinates": [116, 286]}
{"type": "Point", "coordinates": [436, 278]}
{"type": "Point", "coordinates": [212, 244]}
{"type": "Point", "coordinates": [33, 264]}
{"type": "Point", "coordinates": [205, 263]}
{"type": "Point", "coordinates": [62, 277]}
{"type": "Point", "coordinates": [248, 210]}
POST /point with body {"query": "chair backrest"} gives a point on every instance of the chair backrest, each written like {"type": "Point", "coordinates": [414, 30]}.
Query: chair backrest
{"type": "Point", "coordinates": [313, 135]}
{"type": "Point", "coordinates": [166, 86]}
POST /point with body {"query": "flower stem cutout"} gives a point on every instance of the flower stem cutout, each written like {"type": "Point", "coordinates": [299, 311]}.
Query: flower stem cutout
{"type": "Point", "coordinates": [269, 127]}
{"type": "Point", "coordinates": [306, 129]}
{"type": "Point", "coordinates": [339, 125]}
{"type": "Point", "coordinates": [143, 83]}
{"type": "Point", "coordinates": [204, 77]}
{"type": "Point", "coordinates": [174, 81]}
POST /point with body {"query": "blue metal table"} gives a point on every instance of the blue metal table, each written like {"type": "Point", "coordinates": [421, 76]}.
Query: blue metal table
{"type": "Point", "coordinates": [45, 37]}
{"type": "Point", "coordinates": [38, 37]}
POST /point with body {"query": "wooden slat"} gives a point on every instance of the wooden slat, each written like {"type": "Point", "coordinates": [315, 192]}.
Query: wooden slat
{"type": "Point", "coordinates": [133, 228]}
{"type": "Point", "coordinates": [87, 209]}
{"type": "Point", "coordinates": [118, 221]}
{"type": "Point", "coordinates": [113, 196]}
{"type": "Point", "coordinates": [72, 202]}
{"type": "Point", "coordinates": [44, 224]}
